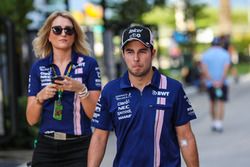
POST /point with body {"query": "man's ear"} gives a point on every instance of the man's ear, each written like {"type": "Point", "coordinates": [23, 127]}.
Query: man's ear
{"type": "Point", "coordinates": [153, 52]}
{"type": "Point", "coordinates": [122, 53]}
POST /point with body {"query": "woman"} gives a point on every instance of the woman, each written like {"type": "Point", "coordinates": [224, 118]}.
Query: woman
{"type": "Point", "coordinates": [64, 86]}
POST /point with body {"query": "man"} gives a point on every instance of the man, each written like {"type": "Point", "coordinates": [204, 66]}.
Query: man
{"type": "Point", "coordinates": [149, 112]}
{"type": "Point", "coordinates": [215, 65]}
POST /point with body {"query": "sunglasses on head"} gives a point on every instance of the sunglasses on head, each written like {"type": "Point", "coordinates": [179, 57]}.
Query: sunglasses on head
{"type": "Point", "coordinates": [57, 30]}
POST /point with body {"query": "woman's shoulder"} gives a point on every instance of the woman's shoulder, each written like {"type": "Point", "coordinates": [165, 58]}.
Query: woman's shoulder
{"type": "Point", "coordinates": [86, 59]}
{"type": "Point", "coordinates": [40, 62]}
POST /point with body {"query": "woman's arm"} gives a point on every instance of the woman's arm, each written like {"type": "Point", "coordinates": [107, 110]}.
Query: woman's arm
{"type": "Point", "coordinates": [35, 103]}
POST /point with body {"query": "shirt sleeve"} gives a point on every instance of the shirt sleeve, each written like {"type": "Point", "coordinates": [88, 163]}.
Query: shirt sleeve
{"type": "Point", "coordinates": [102, 118]}
{"type": "Point", "coordinates": [34, 81]}
{"type": "Point", "coordinates": [183, 109]}
{"type": "Point", "coordinates": [94, 77]}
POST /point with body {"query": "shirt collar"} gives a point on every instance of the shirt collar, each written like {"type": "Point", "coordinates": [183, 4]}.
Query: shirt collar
{"type": "Point", "coordinates": [155, 81]}
{"type": "Point", "coordinates": [74, 57]}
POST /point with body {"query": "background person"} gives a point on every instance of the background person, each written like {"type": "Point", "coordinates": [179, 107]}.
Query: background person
{"type": "Point", "coordinates": [227, 45]}
{"type": "Point", "coordinates": [215, 65]}
{"type": "Point", "coordinates": [148, 111]}
{"type": "Point", "coordinates": [64, 107]}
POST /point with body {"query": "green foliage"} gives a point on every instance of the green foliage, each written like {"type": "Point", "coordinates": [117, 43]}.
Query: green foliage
{"type": "Point", "coordinates": [243, 68]}
{"type": "Point", "coordinates": [159, 2]}
{"type": "Point", "coordinates": [239, 16]}
{"type": "Point", "coordinates": [160, 16]}
{"type": "Point", "coordinates": [173, 73]}
{"type": "Point", "coordinates": [194, 10]}
{"type": "Point", "coordinates": [241, 44]}
{"type": "Point", "coordinates": [202, 16]}
{"type": "Point", "coordinates": [25, 134]}
{"type": "Point", "coordinates": [128, 12]}
{"type": "Point", "coordinates": [16, 11]}
{"type": "Point", "coordinates": [208, 17]}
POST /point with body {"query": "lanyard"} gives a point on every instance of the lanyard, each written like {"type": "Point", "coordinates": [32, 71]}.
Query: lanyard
{"type": "Point", "coordinates": [69, 69]}
{"type": "Point", "coordinates": [60, 91]}
{"type": "Point", "coordinates": [58, 107]}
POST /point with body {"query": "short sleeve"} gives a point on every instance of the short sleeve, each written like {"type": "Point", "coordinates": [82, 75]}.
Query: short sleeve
{"type": "Point", "coordinates": [34, 81]}
{"type": "Point", "coordinates": [183, 109]}
{"type": "Point", "coordinates": [102, 118]}
{"type": "Point", "coordinates": [94, 77]}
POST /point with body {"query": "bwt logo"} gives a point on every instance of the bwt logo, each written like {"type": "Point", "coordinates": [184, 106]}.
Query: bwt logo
{"type": "Point", "coordinates": [160, 93]}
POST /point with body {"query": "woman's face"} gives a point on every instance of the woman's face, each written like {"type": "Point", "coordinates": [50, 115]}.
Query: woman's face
{"type": "Point", "coordinates": [62, 34]}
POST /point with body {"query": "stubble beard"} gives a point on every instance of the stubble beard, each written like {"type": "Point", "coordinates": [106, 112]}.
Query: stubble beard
{"type": "Point", "coordinates": [140, 74]}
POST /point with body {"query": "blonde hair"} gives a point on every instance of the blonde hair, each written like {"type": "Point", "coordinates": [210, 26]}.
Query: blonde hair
{"type": "Point", "coordinates": [41, 45]}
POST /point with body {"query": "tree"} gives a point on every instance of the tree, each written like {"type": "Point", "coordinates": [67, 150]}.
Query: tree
{"type": "Point", "coordinates": [16, 11]}
{"type": "Point", "coordinates": [122, 13]}
{"type": "Point", "coordinates": [13, 12]}
{"type": "Point", "coordinates": [225, 17]}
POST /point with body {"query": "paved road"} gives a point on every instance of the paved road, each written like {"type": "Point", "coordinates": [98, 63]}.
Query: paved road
{"type": "Point", "coordinates": [229, 149]}
{"type": "Point", "coordinates": [232, 147]}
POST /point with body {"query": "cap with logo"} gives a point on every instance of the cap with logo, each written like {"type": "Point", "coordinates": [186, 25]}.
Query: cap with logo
{"type": "Point", "coordinates": [139, 33]}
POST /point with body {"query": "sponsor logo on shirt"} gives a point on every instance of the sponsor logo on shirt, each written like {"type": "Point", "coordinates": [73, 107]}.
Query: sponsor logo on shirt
{"type": "Point", "coordinates": [98, 81]}
{"type": "Point", "coordinates": [123, 106]}
{"type": "Point", "coordinates": [123, 96]}
{"type": "Point", "coordinates": [160, 93]}
{"type": "Point", "coordinates": [97, 111]}
{"type": "Point", "coordinates": [190, 109]}
{"type": "Point", "coordinates": [79, 67]}
{"type": "Point", "coordinates": [78, 70]}
{"type": "Point", "coordinates": [45, 75]}
{"type": "Point", "coordinates": [29, 84]}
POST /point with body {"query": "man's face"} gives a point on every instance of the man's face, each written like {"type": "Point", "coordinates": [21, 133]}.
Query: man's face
{"type": "Point", "coordinates": [138, 58]}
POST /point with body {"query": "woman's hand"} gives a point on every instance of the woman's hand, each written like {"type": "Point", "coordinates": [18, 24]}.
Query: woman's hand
{"type": "Point", "coordinates": [47, 92]}
{"type": "Point", "coordinates": [69, 84]}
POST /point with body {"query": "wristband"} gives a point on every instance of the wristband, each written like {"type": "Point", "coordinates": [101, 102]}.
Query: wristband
{"type": "Point", "coordinates": [83, 93]}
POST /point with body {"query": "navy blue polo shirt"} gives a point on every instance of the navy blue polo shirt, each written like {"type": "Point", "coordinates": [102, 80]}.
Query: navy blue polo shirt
{"type": "Point", "coordinates": [144, 122]}
{"type": "Point", "coordinates": [74, 120]}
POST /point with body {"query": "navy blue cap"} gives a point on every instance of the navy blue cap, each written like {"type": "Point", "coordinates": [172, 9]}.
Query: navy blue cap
{"type": "Point", "coordinates": [139, 33]}
{"type": "Point", "coordinates": [216, 41]}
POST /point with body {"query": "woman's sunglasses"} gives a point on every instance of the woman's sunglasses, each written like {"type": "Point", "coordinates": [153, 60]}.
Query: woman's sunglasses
{"type": "Point", "coordinates": [57, 30]}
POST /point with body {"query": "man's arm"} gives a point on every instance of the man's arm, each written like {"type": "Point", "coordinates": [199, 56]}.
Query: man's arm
{"type": "Point", "coordinates": [187, 144]}
{"type": "Point", "coordinates": [225, 71]}
{"type": "Point", "coordinates": [205, 72]}
{"type": "Point", "coordinates": [97, 147]}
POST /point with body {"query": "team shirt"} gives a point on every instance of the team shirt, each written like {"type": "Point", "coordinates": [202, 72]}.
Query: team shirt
{"type": "Point", "coordinates": [74, 120]}
{"type": "Point", "coordinates": [216, 58]}
{"type": "Point", "coordinates": [144, 122]}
